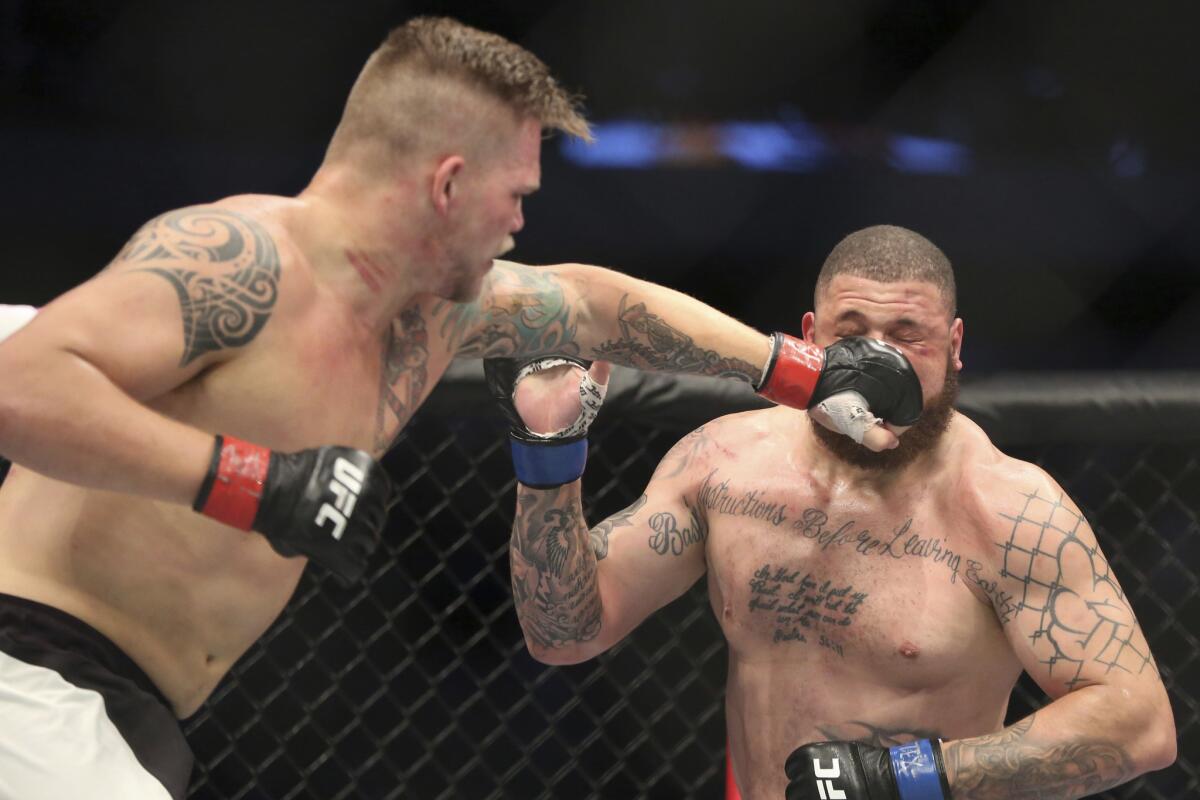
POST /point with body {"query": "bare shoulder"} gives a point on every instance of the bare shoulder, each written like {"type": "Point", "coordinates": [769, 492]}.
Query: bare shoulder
{"type": "Point", "coordinates": [996, 488]}
{"type": "Point", "coordinates": [225, 262]}
{"type": "Point", "coordinates": [722, 441]}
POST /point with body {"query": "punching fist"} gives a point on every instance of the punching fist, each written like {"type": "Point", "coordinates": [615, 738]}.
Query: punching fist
{"type": "Point", "coordinates": [329, 504]}
{"type": "Point", "coordinates": [850, 386]}
{"type": "Point", "coordinates": [550, 402]}
{"type": "Point", "coordinates": [854, 771]}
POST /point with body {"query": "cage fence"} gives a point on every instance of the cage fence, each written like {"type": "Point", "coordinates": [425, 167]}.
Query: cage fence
{"type": "Point", "coordinates": [417, 684]}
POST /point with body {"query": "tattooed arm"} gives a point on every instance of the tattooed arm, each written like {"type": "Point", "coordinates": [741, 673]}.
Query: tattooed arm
{"type": "Point", "coordinates": [597, 313]}
{"type": "Point", "coordinates": [189, 290]}
{"type": "Point", "coordinates": [579, 592]}
{"type": "Point", "coordinates": [1073, 629]}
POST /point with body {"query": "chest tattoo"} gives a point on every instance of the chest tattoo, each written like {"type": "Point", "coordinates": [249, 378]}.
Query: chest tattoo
{"type": "Point", "coordinates": [403, 376]}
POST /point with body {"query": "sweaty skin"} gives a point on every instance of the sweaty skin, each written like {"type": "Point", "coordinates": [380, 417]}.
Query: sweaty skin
{"type": "Point", "coordinates": [879, 606]}
{"type": "Point", "coordinates": [251, 335]}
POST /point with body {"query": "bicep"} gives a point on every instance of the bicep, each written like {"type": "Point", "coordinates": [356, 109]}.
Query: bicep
{"type": "Point", "coordinates": [1063, 610]}
{"type": "Point", "coordinates": [188, 289]}
{"type": "Point", "coordinates": [648, 555]}
{"type": "Point", "coordinates": [521, 311]}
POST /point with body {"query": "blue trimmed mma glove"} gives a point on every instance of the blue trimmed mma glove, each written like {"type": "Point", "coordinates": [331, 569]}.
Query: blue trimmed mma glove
{"type": "Point", "coordinates": [544, 460]}
{"type": "Point", "coordinates": [854, 771]}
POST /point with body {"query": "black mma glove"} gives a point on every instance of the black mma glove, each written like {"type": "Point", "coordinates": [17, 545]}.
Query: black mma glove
{"type": "Point", "coordinates": [544, 460]}
{"type": "Point", "coordinates": [854, 771]}
{"type": "Point", "coordinates": [801, 375]}
{"type": "Point", "coordinates": [328, 504]}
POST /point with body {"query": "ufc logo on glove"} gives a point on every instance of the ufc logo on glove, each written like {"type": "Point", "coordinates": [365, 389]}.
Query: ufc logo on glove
{"type": "Point", "coordinates": [825, 786]}
{"type": "Point", "coordinates": [346, 486]}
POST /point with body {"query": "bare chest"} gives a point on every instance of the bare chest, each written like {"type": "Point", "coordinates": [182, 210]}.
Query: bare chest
{"type": "Point", "coordinates": [316, 386]}
{"type": "Point", "coordinates": [844, 586]}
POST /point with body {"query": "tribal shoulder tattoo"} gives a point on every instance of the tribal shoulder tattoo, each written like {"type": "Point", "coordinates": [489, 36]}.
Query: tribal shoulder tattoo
{"type": "Point", "coordinates": [222, 310]}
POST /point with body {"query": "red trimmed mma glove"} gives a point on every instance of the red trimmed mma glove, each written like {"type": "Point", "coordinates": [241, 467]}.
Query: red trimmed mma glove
{"type": "Point", "coordinates": [544, 460]}
{"type": "Point", "coordinates": [801, 375]}
{"type": "Point", "coordinates": [328, 504]}
{"type": "Point", "coordinates": [854, 771]}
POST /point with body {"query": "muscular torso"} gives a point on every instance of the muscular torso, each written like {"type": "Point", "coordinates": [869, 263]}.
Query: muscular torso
{"type": "Point", "coordinates": [182, 595]}
{"type": "Point", "coordinates": [851, 614]}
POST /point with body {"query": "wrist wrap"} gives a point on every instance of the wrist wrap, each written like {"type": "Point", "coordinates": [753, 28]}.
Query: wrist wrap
{"type": "Point", "coordinates": [917, 767]}
{"type": "Point", "coordinates": [792, 371]}
{"type": "Point", "coordinates": [547, 465]}
{"type": "Point", "coordinates": [234, 485]}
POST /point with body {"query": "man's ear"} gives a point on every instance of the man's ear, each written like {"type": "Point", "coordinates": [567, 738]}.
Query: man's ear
{"type": "Point", "coordinates": [808, 326]}
{"type": "Point", "coordinates": [445, 183]}
{"type": "Point", "coordinates": [956, 338]}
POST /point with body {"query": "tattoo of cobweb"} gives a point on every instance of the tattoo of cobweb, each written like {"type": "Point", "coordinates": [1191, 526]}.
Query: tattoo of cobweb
{"type": "Point", "coordinates": [219, 311]}
{"type": "Point", "coordinates": [1072, 629]}
{"type": "Point", "coordinates": [599, 534]}
{"type": "Point", "coordinates": [878, 735]}
{"type": "Point", "coordinates": [403, 376]}
{"type": "Point", "coordinates": [647, 342]}
{"type": "Point", "coordinates": [521, 312]}
{"type": "Point", "coordinates": [1007, 765]}
{"type": "Point", "coordinates": [555, 586]}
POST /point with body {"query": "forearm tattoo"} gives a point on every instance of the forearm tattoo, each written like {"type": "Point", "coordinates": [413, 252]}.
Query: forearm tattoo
{"type": "Point", "coordinates": [1072, 631]}
{"type": "Point", "coordinates": [403, 376]}
{"type": "Point", "coordinates": [1007, 766]}
{"type": "Point", "coordinates": [599, 534]}
{"type": "Point", "coordinates": [219, 311]}
{"type": "Point", "coordinates": [554, 576]}
{"type": "Point", "coordinates": [522, 312]}
{"type": "Point", "coordinates": [648, 342]}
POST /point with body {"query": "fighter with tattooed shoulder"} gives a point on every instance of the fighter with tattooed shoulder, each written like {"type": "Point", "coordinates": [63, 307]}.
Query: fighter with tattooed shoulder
{"type": "Point", "coordinates": [878, 606]}
{"type": "Point", "coordinates": [205, 416]}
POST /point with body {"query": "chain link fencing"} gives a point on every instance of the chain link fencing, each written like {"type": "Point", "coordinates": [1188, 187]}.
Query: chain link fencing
{"type": "Point", "coordinates": [417, 684]}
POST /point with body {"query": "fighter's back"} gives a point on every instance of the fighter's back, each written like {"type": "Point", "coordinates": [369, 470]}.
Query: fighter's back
{"type": "Point", "coordinates": [228, 289]}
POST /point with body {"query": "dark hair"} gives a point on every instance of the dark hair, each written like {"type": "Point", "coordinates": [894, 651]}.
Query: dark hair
{"type": "Point", "coordinates": [888, 253]}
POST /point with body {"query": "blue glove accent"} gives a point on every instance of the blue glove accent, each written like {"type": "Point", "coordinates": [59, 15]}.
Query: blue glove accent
{"type": "Point", "coordinates": [548, 464]}
{"type": "Point", "coordinates": [916, 771]}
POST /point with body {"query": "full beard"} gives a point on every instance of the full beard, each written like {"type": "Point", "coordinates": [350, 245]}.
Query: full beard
{"type": "Point", "coordinates": [920, 438]}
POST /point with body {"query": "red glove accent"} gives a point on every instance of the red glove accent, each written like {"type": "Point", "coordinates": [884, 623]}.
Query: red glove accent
{"type": "Point", "coordinates": [793, 371]}
{"type": "Point", "coordinates": [233, 488]}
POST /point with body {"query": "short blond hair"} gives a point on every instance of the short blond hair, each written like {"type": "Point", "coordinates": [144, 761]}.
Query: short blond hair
{"type": "Point", "coordinates": [408, 77]}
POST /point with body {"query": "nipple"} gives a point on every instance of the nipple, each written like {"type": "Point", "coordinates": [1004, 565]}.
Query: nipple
{"type": "Point", "coordinates": [909, 650]}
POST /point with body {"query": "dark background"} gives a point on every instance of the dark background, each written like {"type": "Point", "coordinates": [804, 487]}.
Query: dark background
{"type": "Point", "coordinates": [1073, 219]}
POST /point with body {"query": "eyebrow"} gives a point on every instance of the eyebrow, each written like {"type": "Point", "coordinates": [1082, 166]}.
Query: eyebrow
{"type": "Point", "coordinates": [858, 316]}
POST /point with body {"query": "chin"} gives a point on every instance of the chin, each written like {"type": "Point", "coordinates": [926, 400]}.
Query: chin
{"type": "Point", "coordinates": [921, 438]}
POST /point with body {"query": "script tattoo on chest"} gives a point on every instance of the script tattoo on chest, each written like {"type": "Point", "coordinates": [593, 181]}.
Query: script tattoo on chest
{"type": "Point", "coordinates": [804, 607]}
{"type": "Point", "coordinates": [222, 310]}
{"type": "Point", "coordinates": [403, 376]}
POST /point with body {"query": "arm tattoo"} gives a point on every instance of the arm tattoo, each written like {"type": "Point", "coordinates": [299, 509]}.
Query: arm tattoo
{"type": "Point", "coordinates": [1044, 538]}
{"type": "Point", "coordinates": [221, 311]}
{"type": "Point", "coordinates": [599, 534]}
{"type": "Point", "coordinates": [555, 587]}
{"type": "Point", "coordinates": [668, 537]}
{"type": "Point", "coordinates": [1006, 765]}
{"type": "Point", "coordinates": [647, 342]}
{"type": "Point", "coordinates": [524, 312]}
{"type": "Point", "coordinates": [878, 735]}
{"type": "Point", "coordinates": [403, 376]}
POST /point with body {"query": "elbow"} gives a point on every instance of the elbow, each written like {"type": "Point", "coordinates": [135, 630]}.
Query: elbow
{"type": "Point", "coordinates": [1162, 747]}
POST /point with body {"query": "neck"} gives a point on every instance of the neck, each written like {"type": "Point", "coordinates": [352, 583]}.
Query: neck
{"type": "Point", "coordinates": [362, 242]}
{"type": "Point", "coordinates": [897, 480]}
